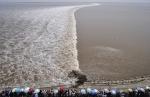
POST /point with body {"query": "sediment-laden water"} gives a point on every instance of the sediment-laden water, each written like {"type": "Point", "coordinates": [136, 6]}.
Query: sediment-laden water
{"type": "Point", "coordinates": [113, 40]}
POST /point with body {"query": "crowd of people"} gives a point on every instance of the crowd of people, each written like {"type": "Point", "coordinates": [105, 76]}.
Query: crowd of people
{"type": "Point", "coordinates": [71, 92]}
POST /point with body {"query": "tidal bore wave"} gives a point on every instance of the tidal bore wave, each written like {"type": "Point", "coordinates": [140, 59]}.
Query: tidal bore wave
{"type": "Point", "coordinates": [38, 47]}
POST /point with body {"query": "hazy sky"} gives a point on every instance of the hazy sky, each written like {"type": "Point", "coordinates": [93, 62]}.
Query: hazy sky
{"type": "Point", "coordinates": [75, 0]}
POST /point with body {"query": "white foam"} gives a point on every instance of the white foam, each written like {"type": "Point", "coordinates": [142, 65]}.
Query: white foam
{"type": "Point", "coordinates": [38, 47]}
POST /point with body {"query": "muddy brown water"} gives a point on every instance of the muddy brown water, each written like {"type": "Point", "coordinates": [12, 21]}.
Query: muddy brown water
{"type": "Point", "coordinates": [113, 40]}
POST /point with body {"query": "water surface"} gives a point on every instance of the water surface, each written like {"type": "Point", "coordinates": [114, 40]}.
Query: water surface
{"type": "Point", "coordinates": [113, 40]}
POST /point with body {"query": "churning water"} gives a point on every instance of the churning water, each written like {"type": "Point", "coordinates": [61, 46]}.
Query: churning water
{"type": "Point", "coordinates": [37, 45]}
